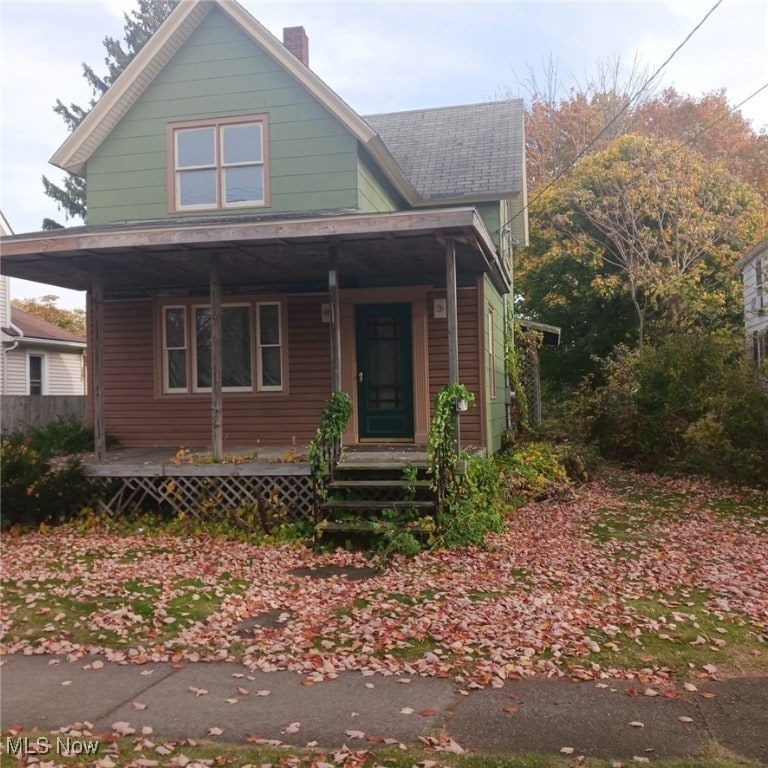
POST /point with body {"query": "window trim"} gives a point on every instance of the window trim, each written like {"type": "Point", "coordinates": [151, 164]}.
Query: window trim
{"type": "Point", "coordinates": [260, 386]}
{"type": "Point", "coordinates": [43, 372]}
{"type": "Point", "coordinates": [189, 305]}
{"type": "Point", "coordinates": [216, 123]}
{"type": "Point", "coordinates": [168, 390]}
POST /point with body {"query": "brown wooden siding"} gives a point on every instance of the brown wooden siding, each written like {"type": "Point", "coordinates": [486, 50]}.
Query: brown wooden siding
{"type": "Point", "coordinates": [469, 371]}
{"type": "Point", "coordinates": [138, 416]}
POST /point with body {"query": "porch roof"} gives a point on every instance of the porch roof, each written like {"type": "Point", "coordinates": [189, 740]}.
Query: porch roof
{"type": "Point", "coordinates": [257, 252]}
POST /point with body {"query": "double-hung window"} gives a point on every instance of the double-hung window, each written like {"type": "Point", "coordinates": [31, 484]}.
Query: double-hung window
{"type": "Point", "coordinates": [252, 347]}
{"type": "Point", "coordinates": [218, 163]}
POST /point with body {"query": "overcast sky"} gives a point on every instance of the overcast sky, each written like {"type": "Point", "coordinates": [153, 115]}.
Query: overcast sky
{"type": "Point", "coordinates": [379, 57]}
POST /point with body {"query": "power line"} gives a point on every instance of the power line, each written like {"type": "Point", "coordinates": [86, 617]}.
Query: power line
{"type": "Point", "coordinates": [626, 106]}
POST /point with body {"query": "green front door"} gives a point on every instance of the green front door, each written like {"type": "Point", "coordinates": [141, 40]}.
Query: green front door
{"type": "Point", "coordinates": [384, 372]}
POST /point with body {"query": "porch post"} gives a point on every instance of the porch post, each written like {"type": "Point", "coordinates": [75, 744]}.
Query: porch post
{"type": "Point", "coordinates": [217, 438]}
{"type": "Point", "coordinates": [96, 332]}
{"type": "Point", "coordinates": [333, 299]}
{"type": "Point", "coordinates": [453, 317]}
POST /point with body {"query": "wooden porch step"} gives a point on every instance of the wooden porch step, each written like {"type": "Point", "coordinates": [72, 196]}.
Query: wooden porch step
{"type": "Point", "coordinates": [379, 466]}
{"type": "Point", "coordinates": [379, 484]}
{"type": "Point", "coordinates": [359, 526]}
{"type": "Point", "coordinates": [366, 504]}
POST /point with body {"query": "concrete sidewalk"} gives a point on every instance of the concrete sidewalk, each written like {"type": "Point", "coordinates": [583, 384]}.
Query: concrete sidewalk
{"type": "Point", "coordinates": [545, 716]}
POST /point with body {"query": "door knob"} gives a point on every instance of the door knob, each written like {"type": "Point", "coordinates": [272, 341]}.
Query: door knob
{"type": "Point", "coordinates": [360, 376]}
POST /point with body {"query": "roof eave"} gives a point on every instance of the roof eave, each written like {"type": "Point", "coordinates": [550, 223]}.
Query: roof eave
{"type": "Point", "coordinates": [752, 253]}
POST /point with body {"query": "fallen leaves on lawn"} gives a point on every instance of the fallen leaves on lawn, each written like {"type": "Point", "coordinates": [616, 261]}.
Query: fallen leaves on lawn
{"type": "Point", "coordinates": [528, 605]}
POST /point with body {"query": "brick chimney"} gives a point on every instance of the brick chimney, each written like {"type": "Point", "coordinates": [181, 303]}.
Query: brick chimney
{"type": "Point", "coordinates": [296, 41]}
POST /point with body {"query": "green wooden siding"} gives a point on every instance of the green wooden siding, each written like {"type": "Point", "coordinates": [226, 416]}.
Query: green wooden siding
{"type": "Point", "coordinates": [496, 416]}
{"type": "Point", "coordinates": [220, 71]}
{"type": "Point", "coordinates": [490, 213]}
{"type": "Point", "coordinates": [374, 193]}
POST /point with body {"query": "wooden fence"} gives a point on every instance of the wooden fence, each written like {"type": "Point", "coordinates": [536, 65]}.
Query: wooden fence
{"type": "Point", "coordinates": [19, 413]}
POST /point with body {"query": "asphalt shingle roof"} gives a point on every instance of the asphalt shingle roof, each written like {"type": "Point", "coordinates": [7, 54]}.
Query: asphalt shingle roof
{"type": "Point", "coordinates": [461, 152]}
{"type": "Point", "coordinates": [36, 328]}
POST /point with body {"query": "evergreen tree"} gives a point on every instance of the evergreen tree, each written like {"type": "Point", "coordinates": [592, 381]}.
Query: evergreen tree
{"type": "Point", "coordinates": [139, 27]}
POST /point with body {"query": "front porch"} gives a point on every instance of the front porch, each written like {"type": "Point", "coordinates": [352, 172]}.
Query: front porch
{"type": "Point", "coordinates": [278, 479]}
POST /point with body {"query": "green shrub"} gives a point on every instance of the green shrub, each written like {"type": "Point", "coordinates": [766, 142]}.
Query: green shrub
{"type": "Point", "coordinates": [66, 435]}
{"type": "Point", "coordinates": [33, 491]}
{"type": "Point", "coordinates": [534, 470]}
{"type": "Point", "coordinates": [691, 402]}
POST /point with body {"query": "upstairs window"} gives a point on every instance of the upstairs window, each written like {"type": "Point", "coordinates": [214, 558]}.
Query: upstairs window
{"type": "Point", "coordinates": [218, 164]}
{"type": "Point", "coordinates": [759, 294]}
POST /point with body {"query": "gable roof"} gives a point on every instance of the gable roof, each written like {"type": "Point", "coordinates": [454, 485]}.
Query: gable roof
{"type": "Point", "coordinates": [75, 152]}
{"type": "Point", "coordinates": [33, 327]}
{"type": "Point", "coordinates": [470, 152]}
{"type": "Point", "coordinates": [466, 153]}
{"type": "Point", "coordinates": [753, 253]}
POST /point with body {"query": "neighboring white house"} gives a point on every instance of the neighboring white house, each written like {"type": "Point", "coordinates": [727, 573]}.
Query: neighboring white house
{"type": "Point", "coordinates": [754, 270]}
{"type": "Point", "coordinates": [38, 357]}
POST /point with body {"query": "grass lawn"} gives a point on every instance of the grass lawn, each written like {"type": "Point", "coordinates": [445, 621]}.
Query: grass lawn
{"type": "Point", "coordinates": [635, 577]}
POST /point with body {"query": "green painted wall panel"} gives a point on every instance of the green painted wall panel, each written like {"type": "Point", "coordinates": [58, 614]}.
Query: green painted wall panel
{"type": "Point", "coordinates": [220, 71]}
{"type": "Point", "coordinates": [374, 194]}
{"type": "Point", "coordinates": [490, 213]}
{"type": "Point", "coordinates": [496, 413]}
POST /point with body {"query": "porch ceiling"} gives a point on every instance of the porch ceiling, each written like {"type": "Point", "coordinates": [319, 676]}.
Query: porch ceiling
{"type": "Point", "coordinates": [255, 253]}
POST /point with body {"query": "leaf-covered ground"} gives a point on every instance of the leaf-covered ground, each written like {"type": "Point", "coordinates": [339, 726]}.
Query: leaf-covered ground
{"type": "Point", "coordinates": [633, 576]}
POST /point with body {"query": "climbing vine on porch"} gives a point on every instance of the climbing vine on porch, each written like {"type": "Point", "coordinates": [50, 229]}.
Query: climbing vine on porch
{"type": "Point", "coordinates": [466, 486]}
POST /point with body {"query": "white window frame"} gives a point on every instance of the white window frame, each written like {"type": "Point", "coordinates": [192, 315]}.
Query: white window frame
{"type": "Point", "coordinates": [167, 389]}
{"type": "Point", "coordinates": [218, 127]}
{"type": "Point", "coordinates": [43, 372]}
{"type": "Point", "coordinates": [759, 285]}
{"type": "Point", "coordinates": [491, 353]}
{"type": "Point", "coordinates": [261, 387]}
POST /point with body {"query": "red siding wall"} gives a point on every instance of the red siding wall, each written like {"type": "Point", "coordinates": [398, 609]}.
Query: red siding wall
{"type": "Point", "coordinates": [469, 357]}
{"type": "Point", "coordinates": [138, 415]}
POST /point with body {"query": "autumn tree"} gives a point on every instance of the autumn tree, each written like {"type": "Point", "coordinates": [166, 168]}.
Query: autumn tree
{"type": "Point", "coordinates": [142, 23]}
{"type": "Point", "coordinates": [45, 308]}
{"type": "Point", "coordinates": [566, 122]}
{"type": "Point", "coordinates": [637, 239]}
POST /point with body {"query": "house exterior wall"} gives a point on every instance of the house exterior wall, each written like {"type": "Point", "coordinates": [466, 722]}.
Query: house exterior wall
{"type": "Point", "coordinates": [374, 195]}
{"type": "Point", "coordinates": [470, 355]}
{"type": "Point", "coordinates": [63, 372]}
{"type": "Point", "coordinates": [494, 365]}
{"type": "Point", "coordinates": [756, 305]}
{"type": "Point", "coordinates": [139, 414]}
{"type": "Point", "coordinates": [5, 314]}
{"type": "Point", "coordinates": [312, 158]}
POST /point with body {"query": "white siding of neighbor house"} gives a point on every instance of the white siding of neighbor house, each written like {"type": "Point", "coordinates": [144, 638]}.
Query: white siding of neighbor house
{"type": "Point", "coordinates": [4, 315]}
{"type": "Point", "coordinates": [756, 305]}
{"type": "Point", "coordinates": [63, 372]}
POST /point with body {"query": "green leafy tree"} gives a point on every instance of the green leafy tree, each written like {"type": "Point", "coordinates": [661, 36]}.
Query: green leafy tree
{"type": "Point", "coordinates": [45, 308]}
{"type": "Point", "coordinates": [639, 239]}
{"type": "Point", "coordinates": [139, 26]}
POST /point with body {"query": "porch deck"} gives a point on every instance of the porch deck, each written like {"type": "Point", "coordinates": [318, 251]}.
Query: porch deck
{"type": "Point", "coordinates": [277, 478]}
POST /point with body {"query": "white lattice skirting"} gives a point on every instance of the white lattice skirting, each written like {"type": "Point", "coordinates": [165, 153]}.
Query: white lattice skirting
{"type": "Point", "coordinates": [208, 490]}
